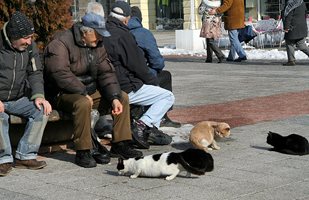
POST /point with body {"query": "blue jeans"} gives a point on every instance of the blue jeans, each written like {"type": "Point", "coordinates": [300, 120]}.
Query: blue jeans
{"type": "Point", "coordinates": [160, 100]}
{"type": "Point", "coordinates": [235, 46]}
{"type": "Point", "coordinates": [30, 142]}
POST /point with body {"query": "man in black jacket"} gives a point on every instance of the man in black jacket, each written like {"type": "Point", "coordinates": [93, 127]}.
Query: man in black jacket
{"type": "Point", "coordinates": [134, 76]}
{"type": "Point", "coordinates": [21, 70]}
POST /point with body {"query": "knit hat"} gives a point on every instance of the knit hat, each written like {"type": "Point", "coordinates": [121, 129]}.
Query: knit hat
{"type": "Point", "coordinates": [121, 8]}
{"type": "Point", "coordinates": [19, 26]}
{"type": "Point", "coordinates": [136, 12]}
{"type": "Point", "coordinates": [97, 22]}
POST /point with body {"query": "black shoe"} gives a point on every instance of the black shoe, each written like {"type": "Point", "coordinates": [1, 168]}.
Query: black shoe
{"type": "Point", "coordinates": [289, 63]}
{"type": "Point", "coordinates": [167, 122]}
{"type": "Point", "coordinates": [139, 134]}
{"type": "Point", "coordinates": [221, 59]}
{"type": "Point", "coordinates": [84, 158]}
{"type": "Point", "coordinates": [208, 61]}
{"type": "Point", "coordinates": [101, 157]}
{"type": "Point", "coordinates": [124, 150]}
{"type": "Point", "coordinates": [240, 59]}
{"type": "Point", "coordinates": [229, 60]}
{"type": "Point", "coordinates": [157, 137]}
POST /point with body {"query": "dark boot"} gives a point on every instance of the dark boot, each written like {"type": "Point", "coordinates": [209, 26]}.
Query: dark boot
{"type": "Point", "coordinates": [157, 137]}
{"type": "Point", "coordinates": [84, 158]}
{"type": "Point", "coordinates": [5, 169]}
{"type": "Point", "coordinates": [29, 164]}
{"type": "Point", "coordinates": [124, 150]}
{"type": "Point", "coordinates": [167, 122]}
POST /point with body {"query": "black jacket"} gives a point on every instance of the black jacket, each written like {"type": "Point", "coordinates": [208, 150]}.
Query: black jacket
{"type": "Point", "coordinates": [20, 72]}
{"type": "Point", "coordinates": [127, 58]}
{"type": "Point", "coordinates": [295, 21]}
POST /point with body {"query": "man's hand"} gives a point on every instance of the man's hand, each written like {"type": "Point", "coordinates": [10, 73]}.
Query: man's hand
{"type": "Point", "coordinates": [117, 107]}
{"type": "Point", "coordinates": [1, 107]}
{"type": "Point", "coordinates": [213, 11]}
{"type": "Point", "coordinates": [42, 102]}
{"type": "Point", "coordinates": [90, 99]}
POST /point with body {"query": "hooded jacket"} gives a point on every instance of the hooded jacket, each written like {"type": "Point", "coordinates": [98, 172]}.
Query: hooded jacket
{"type": "Point", "coordinates": [67, 59]}
{"type": "Point", "coordinates": [128, 59]}
{"type": "Point", "coordinates": [146, 41]}
{"type": "Point", "coordinates": [20, 71]}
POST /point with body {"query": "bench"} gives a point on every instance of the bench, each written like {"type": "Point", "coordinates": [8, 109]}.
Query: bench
{"type": "Point", "coordinates": [58, 129]}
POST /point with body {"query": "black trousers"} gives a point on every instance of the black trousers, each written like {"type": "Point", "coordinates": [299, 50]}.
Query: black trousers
{"type": "Point", "coordinates": [212, 47]}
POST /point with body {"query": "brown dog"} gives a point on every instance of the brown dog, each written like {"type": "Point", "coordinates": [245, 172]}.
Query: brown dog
{"type": "Point", "coordinates": [202, 135]}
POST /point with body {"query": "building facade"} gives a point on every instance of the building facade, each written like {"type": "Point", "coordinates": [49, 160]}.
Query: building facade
{"type": "Point", "coordinates": [177, 14]}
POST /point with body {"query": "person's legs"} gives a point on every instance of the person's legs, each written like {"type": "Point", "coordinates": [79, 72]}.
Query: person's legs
{"type": "Point", "coordinates": [209, 50]}
{"type": "Point", "coordinates": [301, 45]}
{"type": "Point", "coordinates": [29, 144]}
{"type": "Point", "coordinates": [216, 49]}
{"type": "Point", "coordinates": [165, 81]}
{"type": "Point", "coordinates": [290, 50]}
{"type": "Point", "coordinates": [80, 108]}
{"type": "Point", "coordinates": [159, 100]}
{"type": "Point", "coordinates": [235, 45]}
{"type": "Point", "coordinates": [121, 134]}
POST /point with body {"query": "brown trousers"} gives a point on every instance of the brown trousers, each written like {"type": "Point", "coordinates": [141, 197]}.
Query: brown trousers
{"type": "Point", "coordinates": [80, 108]}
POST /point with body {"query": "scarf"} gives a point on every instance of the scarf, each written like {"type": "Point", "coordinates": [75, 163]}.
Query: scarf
{"type": "Point", "coordinates": [291, 5]}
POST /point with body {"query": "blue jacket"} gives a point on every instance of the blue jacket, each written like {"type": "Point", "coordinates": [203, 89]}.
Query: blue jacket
{"type": "Point", "coordinates": [146, 41]}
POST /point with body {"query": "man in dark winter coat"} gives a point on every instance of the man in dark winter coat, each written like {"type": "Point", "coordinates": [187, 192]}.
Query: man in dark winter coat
{"type": "Point", "coordinates": [134, 76]}
{"type": "Point", "coordinates": [155, 61]}
{"type": "Point", "coordinates": [78, 68]}
{"type": "Point", "coordinates": [22, 93]}
{"type": "Point", "coordinates": [295, 28]}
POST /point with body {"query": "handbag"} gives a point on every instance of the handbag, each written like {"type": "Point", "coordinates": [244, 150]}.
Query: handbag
{"type": "Point", "coordinates": [246, 34]}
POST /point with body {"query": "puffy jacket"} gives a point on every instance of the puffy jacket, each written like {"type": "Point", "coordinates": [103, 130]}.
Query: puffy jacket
{"type": "Point", "coordinates": [234, 14]}
{"type": "Point", "coordinates": [146, 41]}
{"type": "Point", "coordinates": [66, 59]}
{"type": "Point", "coordinates": [20, 72]}
{"type": "Point", "coordinates": [295, 21]}
{"type": "Point", "coordinates": [128, 59]}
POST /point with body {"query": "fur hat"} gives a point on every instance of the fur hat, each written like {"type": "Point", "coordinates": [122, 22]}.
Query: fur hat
{"type": "Point", "coordinates": [121, 8]}
{"type": "Point", "coordinates": [136, 12]}
{"type": "Point", "coordinates": [19, 26]}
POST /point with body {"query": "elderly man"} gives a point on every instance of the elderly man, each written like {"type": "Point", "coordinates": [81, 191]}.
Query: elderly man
{"type": "Point", "coordinates": [134, 76]}
{"type": "Point", "coordinates": [78, 69]}
{"type": "Point", "coordinates": [22, 93]}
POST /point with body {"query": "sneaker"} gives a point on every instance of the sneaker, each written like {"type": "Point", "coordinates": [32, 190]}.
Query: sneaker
{"type": "Point", "coordinates": [289, 63]}
{"type": "Point", "coordinates": [5, 169]}
{"type": "Point", "coordinates": [167, 122]}
{"type": "Point", "coordinates": [157, 137]}
{"type": "Point", "coordinates": [240, 59]}
{"type": "Point", "coordinates": [29, 164]}
{"type": "Point", "coordinates": [84, 159]}
{"type": "Point", "coordinates": [139, 134]}
{"type": "Point", "coordinates": [124, 150]}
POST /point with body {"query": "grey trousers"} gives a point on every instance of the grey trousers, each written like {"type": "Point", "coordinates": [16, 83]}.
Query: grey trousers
{"type": "Point", "coordinates": [290, 48]}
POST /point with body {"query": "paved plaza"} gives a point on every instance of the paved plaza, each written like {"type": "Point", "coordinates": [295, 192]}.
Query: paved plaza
{"type": "Point", "coordinates": [254, 97]}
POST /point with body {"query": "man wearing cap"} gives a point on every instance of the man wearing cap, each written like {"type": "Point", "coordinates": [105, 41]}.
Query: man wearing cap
{"type": "Point", "coordinates": [22, 94]}
{"type": "Point", "coordinates": [134, 76]}
{"type": "Point", "coordinates": [80, 73]}
{"type": "Point", "coordinates": [155, 61]}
